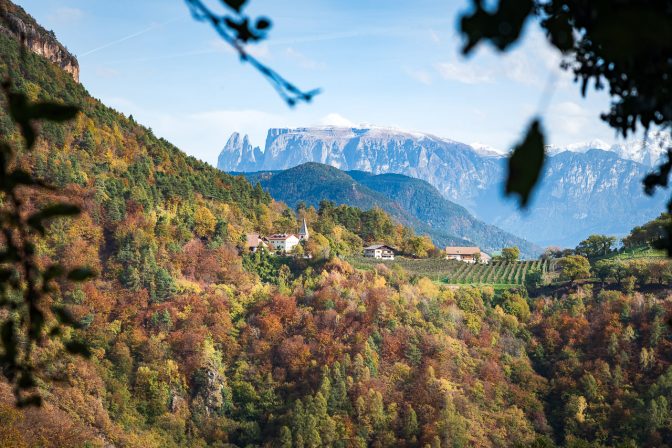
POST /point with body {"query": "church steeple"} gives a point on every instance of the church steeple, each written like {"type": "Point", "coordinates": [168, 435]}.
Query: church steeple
{"type": "Point", "coordinates": [303, 233]}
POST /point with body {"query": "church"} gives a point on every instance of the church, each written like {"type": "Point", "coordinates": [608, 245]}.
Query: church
{"type": "Point", "coordinates": [286, 242]}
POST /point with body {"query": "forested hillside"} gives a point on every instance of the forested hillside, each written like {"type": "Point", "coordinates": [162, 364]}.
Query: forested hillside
{"type": "Point", "coordinates": [196, 343]}
{"type": "Point", "coordinates": [410, 201]}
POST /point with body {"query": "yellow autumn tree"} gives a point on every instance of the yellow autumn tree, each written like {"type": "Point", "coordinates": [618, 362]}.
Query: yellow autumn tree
{"type": "Point", "coordinates": [204, 221]}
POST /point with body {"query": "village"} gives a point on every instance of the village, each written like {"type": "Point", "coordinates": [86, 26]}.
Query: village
{"type": "Point", "coordinates": [287, 243]}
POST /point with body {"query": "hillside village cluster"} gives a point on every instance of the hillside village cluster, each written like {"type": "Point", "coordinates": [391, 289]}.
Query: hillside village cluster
{"type": "Point", "coordinates": [285, 243]}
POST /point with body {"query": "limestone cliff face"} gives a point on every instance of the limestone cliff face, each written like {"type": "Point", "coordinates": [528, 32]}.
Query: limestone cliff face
{"type": "Point", "coordinates": [18, 24]}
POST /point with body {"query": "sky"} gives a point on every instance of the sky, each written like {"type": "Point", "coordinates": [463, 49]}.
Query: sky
{"type": "Point", "coordinates": [393, 63]}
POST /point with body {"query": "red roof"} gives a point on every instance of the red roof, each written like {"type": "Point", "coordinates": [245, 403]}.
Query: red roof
{"type": "Point", "coordinates": [462, 250]}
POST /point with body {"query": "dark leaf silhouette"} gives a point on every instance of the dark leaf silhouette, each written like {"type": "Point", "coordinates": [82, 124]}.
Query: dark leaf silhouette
{"type": "Point", "coordinates": [78, 348]}
{"type": "Point", "coordinates": [65, 317]}
{"type": "Point", "coordinates": [624, 47]}
{"type": "Point", "coordinates": [236, 5]}
{"type": "Point", "coordinates": [263, 23]}
{"type": "Point", "coordinates": [32, 400]}
{"type": "Point", "coordinates": [53, 112]}
{"type": "Point", "coordinates": [526, 163]}
{"type": "Point", "coordinates": [36, 220]}
{"type": "Point", "coordinates": [502, 27]}
{"type": "Point", "coordinates": [81, 274]}
{"type": "Point", "coordinates": [8, 338]}
{"type": "Point", "coordinates": [52, 272]}
{"type": "Point", "coordinates": [21, 276]}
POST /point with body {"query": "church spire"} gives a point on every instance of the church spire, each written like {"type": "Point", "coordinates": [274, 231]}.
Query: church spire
{"type": "Point", "coordinates": [303, 233]}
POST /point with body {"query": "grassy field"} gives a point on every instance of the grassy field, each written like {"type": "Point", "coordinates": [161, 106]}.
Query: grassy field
{"type": "Point", "coordinates": [642, 252]}
{"type": "Point", "coordinates": [499, 274]}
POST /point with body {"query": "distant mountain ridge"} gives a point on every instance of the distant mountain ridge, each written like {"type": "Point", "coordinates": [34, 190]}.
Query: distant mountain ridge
{"type": "Point", "coordinates": [586, 190]}
{"type": "Point", "coordinates": [452, 167]}
{"type": "Point", "coordinates": [649, 151]}
{"type": "Point", "coordinates": [410, 201]}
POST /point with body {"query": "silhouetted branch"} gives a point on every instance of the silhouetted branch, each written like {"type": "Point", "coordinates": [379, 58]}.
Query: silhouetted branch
{"type": "Point", "coordinates": [23, 283]}
{"type": "Point", "coordinates": [621, 46]}
{"type": "Point", "coordinates": [237, 31]}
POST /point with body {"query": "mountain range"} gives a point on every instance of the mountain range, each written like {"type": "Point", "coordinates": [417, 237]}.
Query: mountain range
{"type": "Point", "coordinates": [584, 190]}
{"type": "Point", "coordinates": [412, 202]}
{"type": "Point", "coordinates": [648, 151]}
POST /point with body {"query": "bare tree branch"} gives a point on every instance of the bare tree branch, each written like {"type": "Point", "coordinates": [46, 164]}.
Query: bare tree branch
{"type": "Point", "coordinates": [237, 31]}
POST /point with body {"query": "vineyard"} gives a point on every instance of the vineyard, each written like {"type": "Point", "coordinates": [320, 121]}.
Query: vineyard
{"type": "Point", "coordinates": [457, 272]}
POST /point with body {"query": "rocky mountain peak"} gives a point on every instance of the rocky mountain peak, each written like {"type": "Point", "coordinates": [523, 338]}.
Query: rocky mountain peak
{"type": "Point", "coordinates": [239, 153]}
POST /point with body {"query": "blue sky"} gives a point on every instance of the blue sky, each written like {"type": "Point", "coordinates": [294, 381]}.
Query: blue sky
{"type": "Point", "coordinates": [385, 62]}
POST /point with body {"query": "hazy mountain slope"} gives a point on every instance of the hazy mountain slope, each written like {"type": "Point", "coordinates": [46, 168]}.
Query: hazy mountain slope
{"type": "Point", "coordinates": [649, 151]}
{"type": "Point", "coordinates": [411, 201]}
{"type": "Point", "coordinates": [580, 194]}
{"type": "Point", "coordinates": [586, 191]}
{"type": "Point", "coordinates": [425, 203]}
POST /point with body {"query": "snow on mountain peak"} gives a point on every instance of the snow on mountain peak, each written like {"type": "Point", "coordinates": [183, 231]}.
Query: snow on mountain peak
{"type": "Point", "coordinates": [580, 147]}
{"type": "Point", "coordinates": [487, 150]}
{"type": "Point", "coordinates": [647, 151]}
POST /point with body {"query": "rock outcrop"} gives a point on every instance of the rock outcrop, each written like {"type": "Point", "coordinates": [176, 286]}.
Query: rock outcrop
{"type": "Point", "coordinates": [18, 24]}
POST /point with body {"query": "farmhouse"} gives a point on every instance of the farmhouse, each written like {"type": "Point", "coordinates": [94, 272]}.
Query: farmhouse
{"type": "Point", "coordinates": [467, 254]}
{"type": "Point", "coordinates": [279, 242]}
{"type": "Point", "coordinates": [283, 242]}
{"type": "Point", "coordinates": [380, 251]}
{"type": "Point", "coordinates": [253, 242]}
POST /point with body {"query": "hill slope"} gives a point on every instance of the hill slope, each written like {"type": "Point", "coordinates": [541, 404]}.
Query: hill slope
{"type": "Point", "coordinates": [411, 201]}
{"type": "Point", "coordinates": [189, 349]}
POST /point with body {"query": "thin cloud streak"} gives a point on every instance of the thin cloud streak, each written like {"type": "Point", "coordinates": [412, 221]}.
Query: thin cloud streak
{"type": "Point", "coordinates": [270, 43]}
{"type": "Point", "coordinates": [129, 37]}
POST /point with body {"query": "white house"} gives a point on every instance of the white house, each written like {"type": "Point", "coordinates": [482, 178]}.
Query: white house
{"type": "Point", "coordinates": [283, 242]}
{"type": "Point", "coordinates": [380, 251]}
{"type": "Point", "coordinates": [467, 254]}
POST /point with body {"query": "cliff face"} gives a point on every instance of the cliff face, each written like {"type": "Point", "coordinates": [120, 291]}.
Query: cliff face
{"type": "Point", "coordinates": [18, 24]}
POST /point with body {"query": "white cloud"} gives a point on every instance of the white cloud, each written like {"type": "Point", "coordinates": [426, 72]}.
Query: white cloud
{"type": "Point", "coordinates": [259, 51]}
{"type": "Point", "coordinates": [535, 62]}
{"type": "Point", "coordinates": [204, 134]}
{"type": "Point", "coordinates": [420, 75]}
{"type": "Point", "coordinates": [463, 72]}
{"type": "Point", "coordinates": [570, 118]}
{"type": "Point", "coordinates": [66, 14]}
{"type": "Point", "coordinates": [334, 119]}
{"type": "Point", "coordinates": [104, 71]}
{"type": "Point", "coordinates": [304, 61]}
{"type": "Point", "coordinates": [516, 66]}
